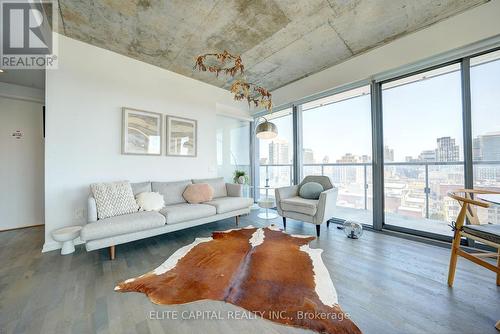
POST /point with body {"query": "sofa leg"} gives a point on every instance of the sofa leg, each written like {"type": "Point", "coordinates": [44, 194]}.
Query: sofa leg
{"type": "Point", "coordinates": [237, 220]}
{"type": "Point", "coordinates": [317, 230]}
{"type": "Point", "coordinates": [112, 252]}
{"type": "Point", "coordinates": [327, 223]}
{"type": "Point", "coordinates": [284, 223]}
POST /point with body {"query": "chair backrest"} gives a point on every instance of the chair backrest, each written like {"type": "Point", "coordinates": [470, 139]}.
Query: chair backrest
{"type": "Point", "coordinates": [467, 201]}
{"type": "Point", "coordinates": [323, 180]}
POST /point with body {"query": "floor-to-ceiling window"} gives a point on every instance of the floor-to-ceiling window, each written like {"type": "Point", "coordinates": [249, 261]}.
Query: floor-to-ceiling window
{"type": "Point", "coordinates": [423, 149]}
{"type": "Point", "coordinates": [233, 147]}
{"type": "Point", "coordinates": [485, 112]}
{"type": "Point", "coordinates": [420, 120]}
{"type": "Point", "coordinates": [276, 155]}
{"type": "Point", "coordinates": [336, 141]}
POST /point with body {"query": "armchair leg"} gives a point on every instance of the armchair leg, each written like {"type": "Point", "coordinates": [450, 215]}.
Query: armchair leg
{"type": "Point", "coordinates": [112, 252]}
{"type": "Point", "coordinates": [453, 258]}
{"type": "Point", "coordinates": [327, 223]}
{"type": "Point", "coordinates": [284, 223]}
{"type": "Point", "coordinates": [317, 230]}
{"type": "Point", "coordinates": [237, 220]}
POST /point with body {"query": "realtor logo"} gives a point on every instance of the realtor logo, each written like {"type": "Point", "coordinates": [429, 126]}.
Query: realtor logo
{"type": "Point", "coordinates": [27, 39]}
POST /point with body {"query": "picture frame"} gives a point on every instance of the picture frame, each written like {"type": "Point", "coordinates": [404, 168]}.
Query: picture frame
{"type": "Point", "coordinates": [142, 132]}
{"type": "Point", "coordinates": [182, 136]}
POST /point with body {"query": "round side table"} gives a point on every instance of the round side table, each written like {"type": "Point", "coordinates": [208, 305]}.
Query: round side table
{"type": "Point", "coordinates": [267, 204]}
{"type": "Point", "coordinates": [66, 235]}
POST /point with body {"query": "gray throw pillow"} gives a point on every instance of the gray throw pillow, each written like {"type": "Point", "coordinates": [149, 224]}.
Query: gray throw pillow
{"type": "Point", "coordinates": [310, 190]}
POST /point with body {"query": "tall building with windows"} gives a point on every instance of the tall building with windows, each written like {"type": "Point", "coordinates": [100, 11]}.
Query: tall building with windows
{"type": "Point", "coordinates": [447, 149]}
{"type": "Point", "coordinates": [388, 154]}
{"type": "Point", "coordinates": [308, 156]}
{"type": "Point", "coordinates": [490, 146]}
{"type": "Point", "coordinates": [279, 152]}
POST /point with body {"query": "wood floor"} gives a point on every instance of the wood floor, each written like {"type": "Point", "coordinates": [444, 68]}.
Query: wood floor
{"type": "Point", "coordinates": [386, 284]}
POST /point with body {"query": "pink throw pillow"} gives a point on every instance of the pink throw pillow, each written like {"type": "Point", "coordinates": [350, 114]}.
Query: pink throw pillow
{"type": "Point", "coordinates": [198, 193]}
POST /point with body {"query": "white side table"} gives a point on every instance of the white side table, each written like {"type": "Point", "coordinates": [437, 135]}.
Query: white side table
{"type": "Point", "coordinates": [66, 235]}
{"type": "Point", "coordinates": [267, 204]}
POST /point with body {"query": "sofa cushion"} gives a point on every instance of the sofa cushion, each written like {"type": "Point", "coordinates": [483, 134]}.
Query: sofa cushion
{"type": "Point", "coordinates": [113, 199]}
{"type": "Point", "coordinates": [227, 204]}
{"type": "Point", "coordinates": [171, 191]}
{"type": "Point", "coordinates": [198, 193]}
{"type": "Point", "coordinates": [141, 187]}
{"type": "Point", "coordinates": [300, 205]}
{"type": "Point", "coordinates": [150, 201]}
{"type": "Point", "coordinates": [178, 213]}
{"type": "Point", "coordinates": [218, 184]}
{"type": "Point", "coordinates": [124, 224]}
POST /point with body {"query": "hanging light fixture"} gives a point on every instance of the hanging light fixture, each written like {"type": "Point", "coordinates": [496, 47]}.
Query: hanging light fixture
{"type": "Point", "coordinates": [266, 129]}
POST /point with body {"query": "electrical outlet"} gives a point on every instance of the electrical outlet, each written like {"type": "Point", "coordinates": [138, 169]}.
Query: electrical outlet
{"type": "Point", "coordinates": [79, 213]}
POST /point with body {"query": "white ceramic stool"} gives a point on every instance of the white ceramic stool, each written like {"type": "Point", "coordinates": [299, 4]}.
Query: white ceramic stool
{"type": "Point", "coordinates": [66, 235]}
{"type": "Point", "coordinates": [267, 204]}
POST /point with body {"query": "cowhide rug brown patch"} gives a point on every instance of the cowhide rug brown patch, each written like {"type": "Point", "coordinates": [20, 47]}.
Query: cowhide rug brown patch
{"type": "Point", "coordinates": [263, 270]}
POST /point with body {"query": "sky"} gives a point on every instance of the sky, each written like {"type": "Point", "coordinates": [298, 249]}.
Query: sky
{"type": "Point", "coordinates": [415, 115]}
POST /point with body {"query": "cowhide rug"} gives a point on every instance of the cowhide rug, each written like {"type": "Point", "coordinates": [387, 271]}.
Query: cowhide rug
{"type": "Point", "coordinates": [263, 270]}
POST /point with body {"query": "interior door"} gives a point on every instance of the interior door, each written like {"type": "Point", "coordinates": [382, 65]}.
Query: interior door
{"type": "Point", "coordinates": [21, 167]}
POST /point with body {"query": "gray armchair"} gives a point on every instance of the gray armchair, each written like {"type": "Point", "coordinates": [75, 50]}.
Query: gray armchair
{"type": "Point", "coordinates": [290, 205]}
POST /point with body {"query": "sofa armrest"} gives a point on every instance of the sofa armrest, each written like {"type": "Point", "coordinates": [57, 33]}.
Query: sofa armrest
{"type": "Point", "coordinates": [91, 210]}
{"type": "Point", "coordinates": [234, 190]}
{"type": "Point", "coordinates": [326, 205]}
{"type": "Point", "coordinates": [283, 193]}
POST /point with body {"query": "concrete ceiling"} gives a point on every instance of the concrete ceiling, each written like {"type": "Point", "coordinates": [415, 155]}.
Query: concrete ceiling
{"type": "Point", "coordinates": [280, 41]}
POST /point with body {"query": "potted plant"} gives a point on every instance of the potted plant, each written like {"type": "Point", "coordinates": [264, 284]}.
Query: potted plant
{"type": "Point", "coordinates": [240, 176]}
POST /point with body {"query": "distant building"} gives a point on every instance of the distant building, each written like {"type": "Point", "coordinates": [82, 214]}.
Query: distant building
{"type": "Point", "coordinates": [308, 156]}
{"type": "Point", "coordinates": [427, 155]}
{"type": "Point", "coordinates": [388, 154]}
{"type": "Point", "coordinates": [476, 149]}
{"type": "Point", "coordinates": [279, 152]}
{"type": "Point", "coordinates": [489, 146]}
{"type": "Point", "coordinates": [447, 149]}
{"type": "Point", "coordinates": [348, 158]}
{"type": "Point", "coordinates": [365, 158]}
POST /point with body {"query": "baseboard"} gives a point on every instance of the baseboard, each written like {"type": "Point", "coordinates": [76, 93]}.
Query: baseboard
{"type": "Point", "coordinates": [54, 245]}
{"type": "Point", "coordinates": [20, 227]}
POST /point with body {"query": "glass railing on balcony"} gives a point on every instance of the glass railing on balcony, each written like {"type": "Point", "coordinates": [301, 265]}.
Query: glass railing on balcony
{"type": "Point", "coordinates": [415, 192]}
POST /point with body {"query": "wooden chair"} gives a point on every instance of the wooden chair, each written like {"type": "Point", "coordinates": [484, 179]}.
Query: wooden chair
{"type": "Point", "coordinates": [488, 234]}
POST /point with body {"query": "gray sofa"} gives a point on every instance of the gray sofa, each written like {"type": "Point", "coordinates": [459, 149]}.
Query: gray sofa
{"type": "Point", "coordinates": [176, 215]}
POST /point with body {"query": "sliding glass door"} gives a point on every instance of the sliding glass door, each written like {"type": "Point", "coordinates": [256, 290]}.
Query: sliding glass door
{"type": "Point", "coordinates": [336, 141]}
{"type": "Point", "coordinates": [423, 149]}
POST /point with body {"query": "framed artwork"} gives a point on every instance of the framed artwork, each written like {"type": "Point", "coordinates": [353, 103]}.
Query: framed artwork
{"type": "Point", "coordinates": [142, 132]}
{"type": "Point", "coordinates": [182, 136]}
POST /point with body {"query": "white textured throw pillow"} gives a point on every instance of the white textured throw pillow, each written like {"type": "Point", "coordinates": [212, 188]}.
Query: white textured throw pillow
{"type": "Point", "coordinates": [113, 199]}
{"type": "Point", "coordinates": [150, 201]}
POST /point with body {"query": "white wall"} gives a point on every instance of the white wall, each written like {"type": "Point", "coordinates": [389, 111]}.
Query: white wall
{"type": "Point", "coordinates": [471, 26]}
{"type": "Point", "coordinates": [21, 170]}
{"type": "Point", "coordinates": [83, 123]}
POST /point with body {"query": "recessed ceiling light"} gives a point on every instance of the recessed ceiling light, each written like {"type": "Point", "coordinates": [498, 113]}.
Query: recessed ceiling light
{"type": "Point", "coordinates": [1, 71]}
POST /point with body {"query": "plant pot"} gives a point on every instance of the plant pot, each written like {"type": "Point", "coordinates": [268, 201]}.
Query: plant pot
{"type": "Point", "coordinates": [241, 180]}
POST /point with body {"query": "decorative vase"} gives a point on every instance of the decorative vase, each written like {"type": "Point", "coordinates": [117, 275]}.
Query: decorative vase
{"type": "Point", "coordinates": [241, 179]}
{"type": "Point", "coordinates": [353, 230]}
